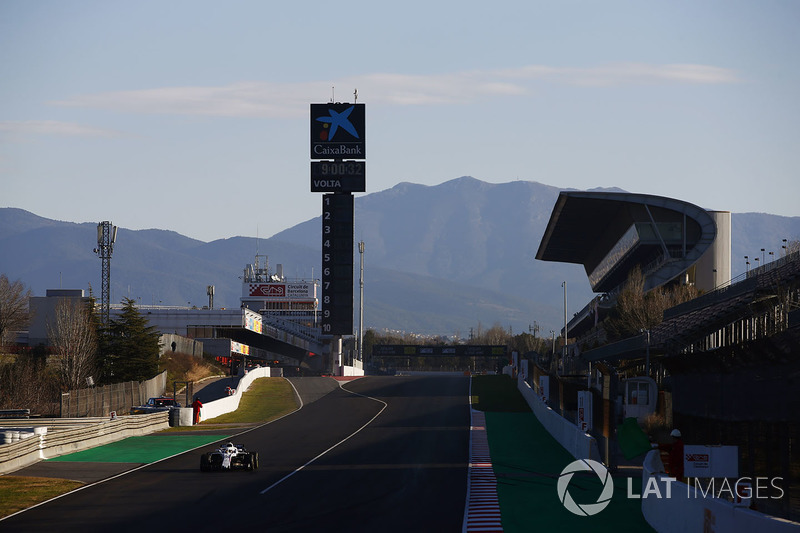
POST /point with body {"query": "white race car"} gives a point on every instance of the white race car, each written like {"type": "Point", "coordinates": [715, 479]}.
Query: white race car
{"type": "Point", "coordinates": [229, 456]}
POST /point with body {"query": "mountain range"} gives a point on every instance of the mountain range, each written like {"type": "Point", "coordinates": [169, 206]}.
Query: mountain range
{"type": "Point", "coordinates": [439, 260]}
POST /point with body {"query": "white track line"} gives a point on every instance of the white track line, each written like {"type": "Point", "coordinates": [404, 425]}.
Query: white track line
{"type": "Point", "coordinates": [298, 469]}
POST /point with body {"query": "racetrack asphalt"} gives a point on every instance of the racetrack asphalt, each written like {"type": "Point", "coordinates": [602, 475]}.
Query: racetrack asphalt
{"type": "Point", "coordinates": [102, 462]}
{"type": "Point", "coordinates": [357, 461]}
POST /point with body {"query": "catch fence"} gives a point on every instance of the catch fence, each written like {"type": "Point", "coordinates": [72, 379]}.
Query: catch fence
{"type": "Point", "coordinates": [117, 397]}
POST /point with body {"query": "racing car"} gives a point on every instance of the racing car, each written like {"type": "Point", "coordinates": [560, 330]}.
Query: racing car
{"type": "Point", "coordinates": [229, 456]}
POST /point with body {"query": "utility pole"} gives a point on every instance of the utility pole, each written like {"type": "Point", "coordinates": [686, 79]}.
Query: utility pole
{"type": "Point", "coordinates": [106, 236]}
{"type": "Point", "coordinates": [566, 334]}
{"type": "Point", "coordinates": [361, 303]}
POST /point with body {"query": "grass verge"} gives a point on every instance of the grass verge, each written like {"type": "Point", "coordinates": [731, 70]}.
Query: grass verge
{"type": "Point", "coordinates": [497, 393]}
{"type": "Point", "coordinates": [18, 492]}
{"type": "Point", "coordinates": [266, 399]}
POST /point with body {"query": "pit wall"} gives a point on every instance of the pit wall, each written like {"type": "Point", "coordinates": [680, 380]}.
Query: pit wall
{"type": "Point", "coordinates": [230, 403]}
{"type": "Point", "coordinates": [581, 445]}
{"type": "Point", "coordinates": [687, 510]}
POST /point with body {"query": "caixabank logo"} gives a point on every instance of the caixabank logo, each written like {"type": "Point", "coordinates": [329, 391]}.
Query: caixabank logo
{"type": "Point", "coordinates": [337, 131]}
{"type": "Point", "coordinates": [585, 509]}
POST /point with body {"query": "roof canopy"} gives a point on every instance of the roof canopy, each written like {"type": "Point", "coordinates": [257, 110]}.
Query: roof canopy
{"type": "Point", "coordinates": [611, 232]}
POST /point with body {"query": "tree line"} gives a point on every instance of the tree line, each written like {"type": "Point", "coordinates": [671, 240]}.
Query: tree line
{"type": "Point", "coordinates": [80, 347]}
{"type": "Point", "coordinates": [635, 309]}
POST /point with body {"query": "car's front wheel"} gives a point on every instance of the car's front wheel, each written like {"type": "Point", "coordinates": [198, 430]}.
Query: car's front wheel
{"type": "Point", "coordinates": [254, 461]}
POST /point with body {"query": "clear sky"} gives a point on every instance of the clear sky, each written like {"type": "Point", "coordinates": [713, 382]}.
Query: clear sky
{"type": "Point", "coordinates": [193, 116]}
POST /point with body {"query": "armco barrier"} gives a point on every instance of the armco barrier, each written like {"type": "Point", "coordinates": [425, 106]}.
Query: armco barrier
{"type": "Point", "coordinates": [581, 445]}
{"type": "Point", "coordinates": [684, 509]}
{"type": "Point", "coordinates": [54, 437]}
{"type": "Point", "coordinates": [230, 403]}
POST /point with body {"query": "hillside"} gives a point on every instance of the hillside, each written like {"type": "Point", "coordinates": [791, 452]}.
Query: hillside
{"type": "Point", "coordinates": [439, 259]}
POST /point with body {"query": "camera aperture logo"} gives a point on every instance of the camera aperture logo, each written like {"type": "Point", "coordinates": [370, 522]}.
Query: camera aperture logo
{"type": "Point", "coordinates": [586, 509]}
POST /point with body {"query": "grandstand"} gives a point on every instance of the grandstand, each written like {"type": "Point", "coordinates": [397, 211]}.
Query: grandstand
{"type": "Point", "coordinates": [725, 365]}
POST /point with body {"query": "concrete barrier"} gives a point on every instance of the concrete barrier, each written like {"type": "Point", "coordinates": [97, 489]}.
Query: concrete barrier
{"type": "Point", "coordinates": [230, 403]}
{"type": "Point", "coordinates": [352, 370]}
{"type": "Point", "coordinates": [56, 437]}
{"type": "Point", "coordinates": [581, 445]}
{"type": "Point", "coordinates": [181, 416]}
{"type": "Point", "coordinates": [670, 506]}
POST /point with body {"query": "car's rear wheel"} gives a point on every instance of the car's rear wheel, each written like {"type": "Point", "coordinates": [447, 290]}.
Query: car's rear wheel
{"type": "Point", "coordinates": [254, 461]}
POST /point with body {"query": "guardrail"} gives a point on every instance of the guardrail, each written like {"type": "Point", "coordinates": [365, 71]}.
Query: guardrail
{"type": "Point", "coordinates": [53, 437]}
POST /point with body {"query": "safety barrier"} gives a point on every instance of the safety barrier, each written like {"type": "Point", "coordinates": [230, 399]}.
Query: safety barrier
{"type": "Point", "coordinates": [230, 403]}
{"type": "Point", "coordinates": [671, 506]}
{"type": "Point", "coordinates": [581, 445]}
{"type": "Point", "coordinates": [53, 437]}
{"type": "Point", "coordinates": [356, 370]}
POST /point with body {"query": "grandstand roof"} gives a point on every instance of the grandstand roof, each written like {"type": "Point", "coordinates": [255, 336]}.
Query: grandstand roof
{"type": "Point", "coordinates": [609, 233]}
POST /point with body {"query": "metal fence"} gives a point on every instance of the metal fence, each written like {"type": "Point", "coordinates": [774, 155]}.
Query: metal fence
{"type": "Point", "coordinates": [118, 397]}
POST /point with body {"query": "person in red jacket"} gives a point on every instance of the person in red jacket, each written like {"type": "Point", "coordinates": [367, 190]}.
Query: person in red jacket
{"type": "Point", "coordinates": [675, 451]}
{"type": "Point", "coordinates": [196, 406]}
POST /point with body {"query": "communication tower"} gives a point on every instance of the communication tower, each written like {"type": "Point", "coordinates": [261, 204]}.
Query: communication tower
{"type": "Point", "coordinates": [106, 236]}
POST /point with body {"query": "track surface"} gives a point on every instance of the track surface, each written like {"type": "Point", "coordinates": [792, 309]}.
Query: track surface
{"type": "Point", "coordinates": [404, 471]}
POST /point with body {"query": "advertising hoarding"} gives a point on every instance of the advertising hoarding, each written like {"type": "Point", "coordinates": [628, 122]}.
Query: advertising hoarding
{"type": "Point", "coordinates": [338, 131]}
{"type": "Point", "coordinates": [279, 290]}
{"type": "Point", "coordinates": [710, 461]}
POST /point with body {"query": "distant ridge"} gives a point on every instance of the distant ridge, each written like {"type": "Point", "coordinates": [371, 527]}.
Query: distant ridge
{"type": "Point", "coordinates": [439, 259]}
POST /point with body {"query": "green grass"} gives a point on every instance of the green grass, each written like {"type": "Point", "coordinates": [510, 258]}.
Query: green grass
{"type": "Point", "coordinates": [142, 449]}
{"type": "Point", "coordinates": [266, 399]}
{"type": "Point", "coordinates": [18, 492]}
{"type": "Point", "coordinates": [528, 461]}
{"type": "Point", "coordinates": [497, 393]}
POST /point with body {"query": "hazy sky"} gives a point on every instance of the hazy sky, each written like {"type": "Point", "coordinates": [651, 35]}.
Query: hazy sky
{"type": "Point", "coordinates": [193, 116]}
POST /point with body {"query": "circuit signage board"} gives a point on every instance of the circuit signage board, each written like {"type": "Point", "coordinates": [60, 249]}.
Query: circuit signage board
{"type": "Point", "coordinates": [337, 264]}
{"type": "Point", "coordinates": [338, 176]}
